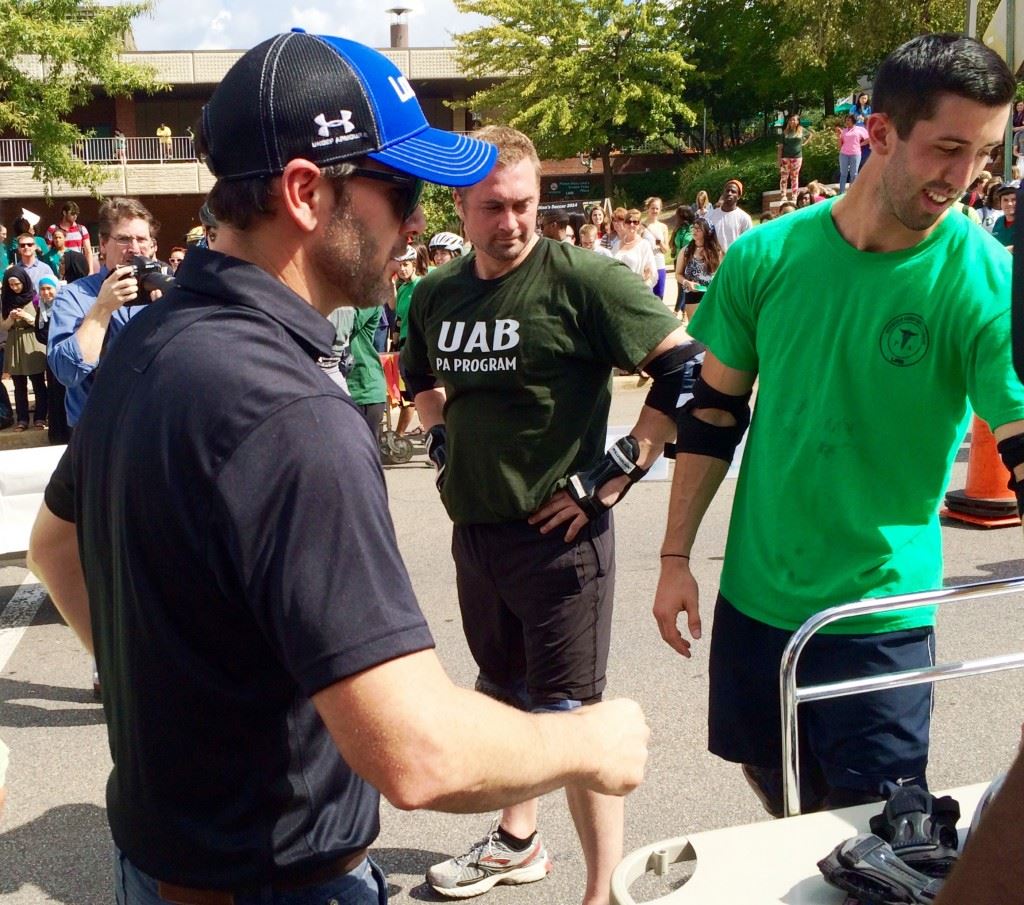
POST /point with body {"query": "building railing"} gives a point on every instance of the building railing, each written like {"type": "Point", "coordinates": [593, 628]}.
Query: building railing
{"type": "Point", "coordinates": [18, 151]}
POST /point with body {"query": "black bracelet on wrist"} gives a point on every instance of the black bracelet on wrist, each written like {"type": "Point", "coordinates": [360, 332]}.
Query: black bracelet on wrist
{"type": "Point", "coordinates": [675, 555]}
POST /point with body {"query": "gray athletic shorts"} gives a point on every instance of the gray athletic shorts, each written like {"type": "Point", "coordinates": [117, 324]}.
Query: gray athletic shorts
{"type": "Point", "coordinates": [537, 611]}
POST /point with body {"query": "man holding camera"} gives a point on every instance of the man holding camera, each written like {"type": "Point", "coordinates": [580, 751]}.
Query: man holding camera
{"type": "Point", "coordinates": [92, 308]}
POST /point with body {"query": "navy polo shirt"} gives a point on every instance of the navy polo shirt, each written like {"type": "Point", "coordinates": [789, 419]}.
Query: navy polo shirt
{"type": "Point", "coordinates": [235, 536]}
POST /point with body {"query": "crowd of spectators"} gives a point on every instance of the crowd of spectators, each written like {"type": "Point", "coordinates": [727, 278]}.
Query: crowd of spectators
{"type": "Point", "coordinates": [700, 233]}
{"type": "Point", "coordinates": [692, 245]}
{"type": "Point", "coordinates": [39, 269]}
{"type": "Point", "coordinates": [29, 281]}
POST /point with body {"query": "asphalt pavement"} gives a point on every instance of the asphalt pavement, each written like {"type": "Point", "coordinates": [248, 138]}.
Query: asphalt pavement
{"type": "Point", "coordinates": [54, 845]}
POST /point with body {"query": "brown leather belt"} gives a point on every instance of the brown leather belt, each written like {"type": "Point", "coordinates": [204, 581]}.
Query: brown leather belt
{"type": "Point", "coordinates": [322, 873]}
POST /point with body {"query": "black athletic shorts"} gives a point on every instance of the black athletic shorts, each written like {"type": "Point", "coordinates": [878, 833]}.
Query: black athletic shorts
{"type": "Point", "coordinates": [858, 743]}
{"type": "Point", "coordinates": [537, 611]}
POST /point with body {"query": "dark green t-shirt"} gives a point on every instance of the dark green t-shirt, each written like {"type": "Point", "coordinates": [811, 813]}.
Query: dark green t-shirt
{"type": "Point", "coordinates": [793, 145]}
{"type": "Point", "coordinates": [863, 387]}
{"type": "Point", "coordinates": [526, 363]}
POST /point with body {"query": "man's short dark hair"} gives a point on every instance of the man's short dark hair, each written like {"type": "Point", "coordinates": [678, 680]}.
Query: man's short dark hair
{"type": "Point", "coordinates": [913, 78]}
{"type": "Point", "coordinates": [70, 207]}
{"type": "Point", "coordinates": [238, 202]}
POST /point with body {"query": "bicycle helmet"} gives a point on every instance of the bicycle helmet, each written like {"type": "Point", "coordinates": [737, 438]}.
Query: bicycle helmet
{"type": "Point", "coordinates": [448, 241]}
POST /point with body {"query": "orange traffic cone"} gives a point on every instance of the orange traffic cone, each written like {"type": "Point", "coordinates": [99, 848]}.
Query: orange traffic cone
{"type": "Point", "coordinates": [986, 501]}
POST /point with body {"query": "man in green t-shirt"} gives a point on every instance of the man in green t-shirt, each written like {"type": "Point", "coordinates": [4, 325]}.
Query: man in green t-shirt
{"type": "Point", "coordinates": [509, 357]}
{"type": "Point", "coordinates": [863, 388]}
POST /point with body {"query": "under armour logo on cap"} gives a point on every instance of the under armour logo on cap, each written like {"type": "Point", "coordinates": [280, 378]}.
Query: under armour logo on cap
{"type": "Point", "coordinates": [325, 124]}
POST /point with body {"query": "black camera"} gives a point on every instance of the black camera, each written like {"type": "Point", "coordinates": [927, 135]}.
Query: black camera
{"type": "Point", "coordinates": [151, 275]}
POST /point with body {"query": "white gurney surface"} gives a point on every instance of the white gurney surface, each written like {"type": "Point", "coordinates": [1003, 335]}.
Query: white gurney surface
{"type": "Point", "coordinates": [24, 474]}
{"type": "Point", "coordinates": [775, 861]}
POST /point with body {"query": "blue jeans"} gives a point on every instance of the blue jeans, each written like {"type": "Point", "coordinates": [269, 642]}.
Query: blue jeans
{"type": "Point", "coordinates": [849, 165]}
{"type": "Point", "coordinates": [364, 885]}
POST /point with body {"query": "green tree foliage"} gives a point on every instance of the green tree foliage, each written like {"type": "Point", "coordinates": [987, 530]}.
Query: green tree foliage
{"type": "Point", "coordinates": [832, 42]}
{"type": "Point", "coordinates": [582, 75]}
{"type": "Point", "coordinates": [77, 45]}
{"type": "Point", "coordinates": [439, 210]}
{"type": "Point", "coordinates": [734, 45]}
{"type": "Point", "coordinates": [756, 57]}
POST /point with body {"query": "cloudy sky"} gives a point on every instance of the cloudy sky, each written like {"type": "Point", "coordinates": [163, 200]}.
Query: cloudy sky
{"type": "Point", "coordinates": [238, 24]}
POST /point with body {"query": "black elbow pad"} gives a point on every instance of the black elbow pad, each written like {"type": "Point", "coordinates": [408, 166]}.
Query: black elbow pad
{"type": "Point", "coordinates": [667, 372]}
{"type": "Point", "coordinates": [700, 438]}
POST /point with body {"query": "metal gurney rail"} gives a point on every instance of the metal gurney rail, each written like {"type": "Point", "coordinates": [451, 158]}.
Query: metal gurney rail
{"type": "Point", "coordinates": [781, 854]}
{"type": "Point", "coordinates": [792, 695]}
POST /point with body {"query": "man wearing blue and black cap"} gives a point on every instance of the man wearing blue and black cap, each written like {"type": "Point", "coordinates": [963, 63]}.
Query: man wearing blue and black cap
{"type": "Point", "coordinates": [252, 616]}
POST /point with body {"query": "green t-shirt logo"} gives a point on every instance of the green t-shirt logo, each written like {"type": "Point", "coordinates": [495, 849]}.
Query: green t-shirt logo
{"type": "Point", "coordinates": [904, 340]}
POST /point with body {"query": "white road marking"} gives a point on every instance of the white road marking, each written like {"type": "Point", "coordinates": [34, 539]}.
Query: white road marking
{"type": "Point", "coordinates": [21, 609]}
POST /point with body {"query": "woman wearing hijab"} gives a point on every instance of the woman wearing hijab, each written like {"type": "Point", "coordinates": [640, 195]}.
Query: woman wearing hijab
{"type": "Point", "coordinates": [58, 423]}
{"type": "Point", "coordinates": [24, 357]}
{"type": "Point", "coordinates": [73, 266]}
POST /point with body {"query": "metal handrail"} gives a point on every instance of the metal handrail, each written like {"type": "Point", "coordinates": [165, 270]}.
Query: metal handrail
{"type": "Point", "coordinates": [107, 150]}
{"type": "Point", "coordinates": [791, 696]}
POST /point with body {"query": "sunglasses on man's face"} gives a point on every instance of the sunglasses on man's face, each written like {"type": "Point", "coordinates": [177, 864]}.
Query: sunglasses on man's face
{"type": "Point", "coordinates": [26, 245]}
{"type": "Point", "coordinates": [412, 188]}
{"type": "Point", "coordinates": [632, 222]}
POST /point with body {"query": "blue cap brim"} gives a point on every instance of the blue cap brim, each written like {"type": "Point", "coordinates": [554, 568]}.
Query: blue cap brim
{"type": "Point", "coordinates": [446, 158]}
